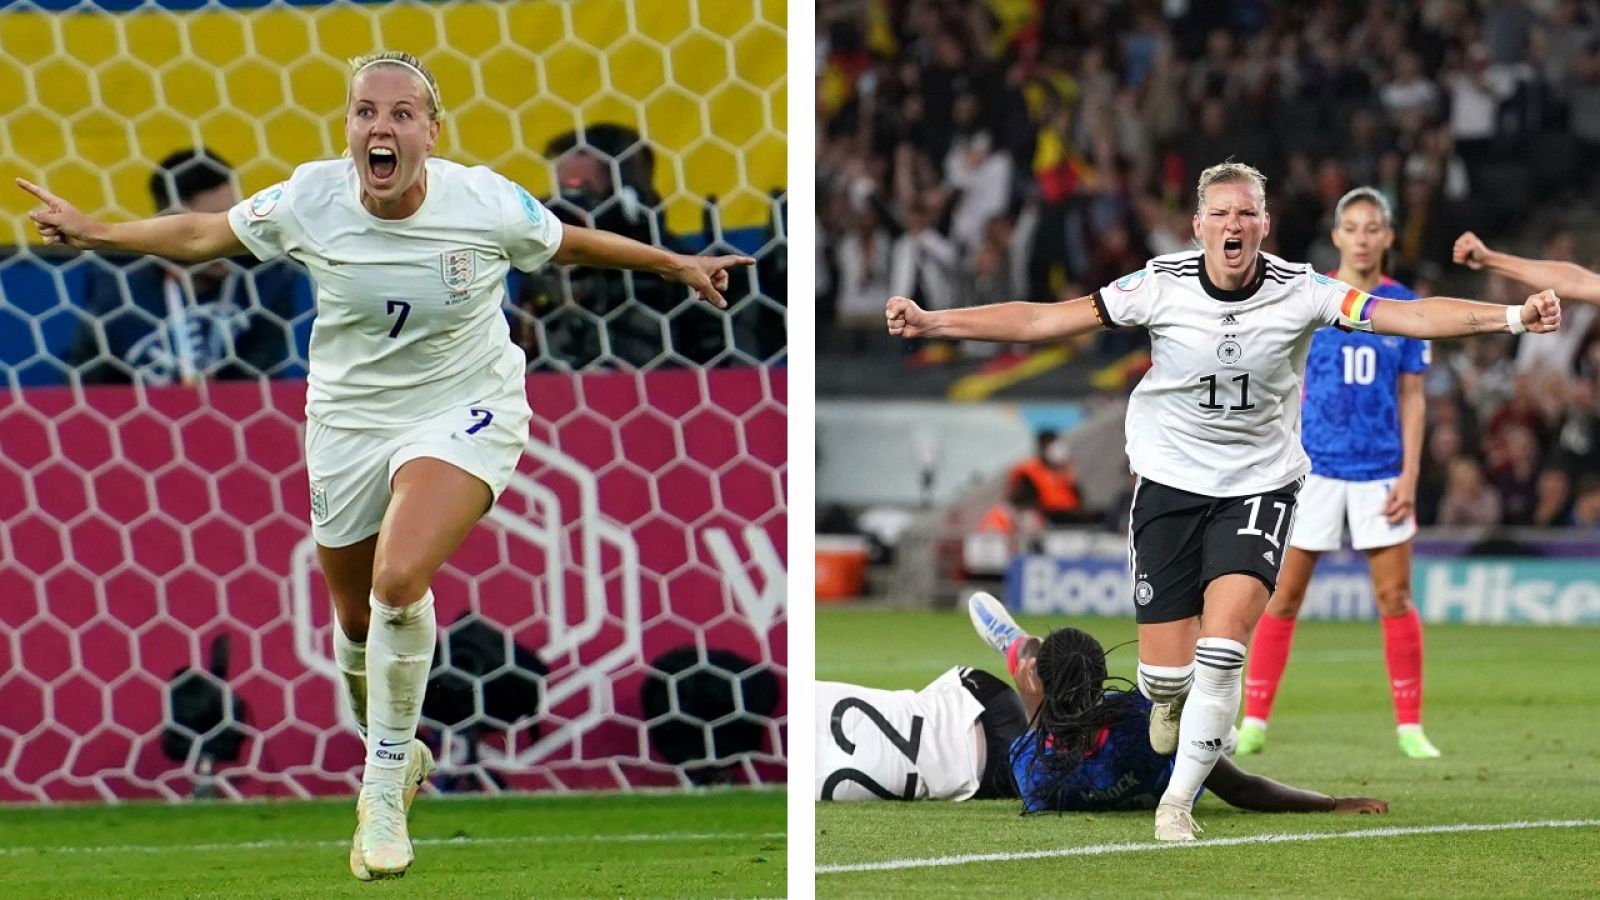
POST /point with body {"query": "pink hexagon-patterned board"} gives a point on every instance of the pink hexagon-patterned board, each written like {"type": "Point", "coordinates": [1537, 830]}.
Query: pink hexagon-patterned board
{"type": "Point", "coordinates": [125, 559]}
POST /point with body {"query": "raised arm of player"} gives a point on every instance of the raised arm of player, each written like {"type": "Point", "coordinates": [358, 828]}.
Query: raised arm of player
{"type": "Point", "coordinates": [185, 237]}
{"type": "Point", "coordinates": [1011, 322]}
{"type": "Point", "coordinates": [1569, 280]}
{"type": "Point", "coordinates": [1447, 317]}
{"type": "Point", "coordinates": [707, 275]}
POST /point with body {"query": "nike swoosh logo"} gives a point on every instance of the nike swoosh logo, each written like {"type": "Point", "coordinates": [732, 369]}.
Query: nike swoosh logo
{"type": "Point", "coordinates": [1405, 681]}
{"type": "Point", "coordinates": [384, 743]}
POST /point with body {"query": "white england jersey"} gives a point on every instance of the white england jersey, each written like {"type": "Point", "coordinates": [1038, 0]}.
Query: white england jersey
{"type": "Point", "coordinates": [1219, 411]}
{"type": "Point", "coordinates": [409, 321]}
{"type": "Point", "coordinates": [897, 745]}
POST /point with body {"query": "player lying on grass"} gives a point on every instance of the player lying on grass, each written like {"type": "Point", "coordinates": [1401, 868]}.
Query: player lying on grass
{"type": "Point", "coordinates": [1070, 743]}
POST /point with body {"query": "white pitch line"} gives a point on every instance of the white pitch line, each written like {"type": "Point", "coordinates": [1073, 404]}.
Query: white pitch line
{"type": "Point", "coordinates": [1104, 849]}
{"type": "Point", "coordinates": [661, 837]}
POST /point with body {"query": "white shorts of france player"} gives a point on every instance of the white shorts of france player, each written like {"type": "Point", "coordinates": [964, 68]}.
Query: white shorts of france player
{"type": "Point", "coordinates": [1326, 505]}
{"type": "Point", "coordinates": [351, 470]}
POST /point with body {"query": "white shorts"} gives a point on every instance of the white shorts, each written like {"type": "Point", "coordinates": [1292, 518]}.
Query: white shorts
{"type": "Point", "coordinates": [351, 470]}
{"type": "Point", "coordinates": [1328, 504]}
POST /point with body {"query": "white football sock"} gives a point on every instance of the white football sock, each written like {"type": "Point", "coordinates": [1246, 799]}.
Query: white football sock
{"type": "Point", "coordinates": [1207, 716]}
{"type": "Point", "coordinates": [351, 658]}
{"type": "Point", "coordinates": [1164, 684]}
{"type": "Point", "coordinates": [399, 654]}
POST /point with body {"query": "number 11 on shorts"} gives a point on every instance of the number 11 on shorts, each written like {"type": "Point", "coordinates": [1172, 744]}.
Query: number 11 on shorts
{"type": "Point", "coordinates": [1255, 512]}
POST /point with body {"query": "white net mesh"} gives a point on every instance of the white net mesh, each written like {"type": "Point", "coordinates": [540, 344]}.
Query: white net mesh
{"type": "Point", "coordinates": [153, 498]}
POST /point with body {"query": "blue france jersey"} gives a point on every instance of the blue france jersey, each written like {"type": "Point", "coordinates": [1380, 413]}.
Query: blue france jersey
{"type": "Point", "coordinates": [1124, 774]}
{"type": "Point", "coordinates": [1350, 420]}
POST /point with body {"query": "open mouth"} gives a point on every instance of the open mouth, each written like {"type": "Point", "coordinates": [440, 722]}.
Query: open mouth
{"type": "Point", "coordinates": [382, 162]}
{"type": "Point", "coordinates": [1233, 250]}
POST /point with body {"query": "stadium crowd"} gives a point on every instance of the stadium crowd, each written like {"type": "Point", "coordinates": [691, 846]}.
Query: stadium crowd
{"type": "Point", "coordinates": [971, 151]}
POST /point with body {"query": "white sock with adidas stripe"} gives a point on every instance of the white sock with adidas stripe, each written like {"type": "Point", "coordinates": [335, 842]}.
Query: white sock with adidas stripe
{"type": "Point", "coordinates": [1207, 716]}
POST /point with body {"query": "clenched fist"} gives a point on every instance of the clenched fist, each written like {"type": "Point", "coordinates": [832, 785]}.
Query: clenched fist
{"type": "Point", "coordinates": [1542, 312]}
{"type": "Point", "coordinates": [1469, 251]}
{"type": "Point", "coordinates": [906, 318]}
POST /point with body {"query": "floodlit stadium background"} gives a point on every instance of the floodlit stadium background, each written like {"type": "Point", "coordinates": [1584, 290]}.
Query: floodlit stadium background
{"type": "Point", "coordinates": [973, 151]}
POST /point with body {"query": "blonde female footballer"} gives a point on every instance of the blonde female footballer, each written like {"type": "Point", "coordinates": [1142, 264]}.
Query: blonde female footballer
{"type": "Point", "coordinates": [416, 410]}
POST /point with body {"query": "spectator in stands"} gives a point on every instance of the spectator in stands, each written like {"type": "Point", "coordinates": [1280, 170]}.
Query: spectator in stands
{"type": "Point", "coordinates": [923, 262]}
{"type": "Point", "coordinates": [1410, 91]}
{"type": "Point", "coordinates": [1444, 446]}
{"type": "Point", "coordinates": [1017, 518]}
{"type": "Point", "coordinates": [1577, 445]}
{"type": "Point", "coordinates": [1476, 91]}
{"type": "Point", "coordinates": [1555, 499]}
{"type": "Point", "coordinates": [864, 254]}
{"type": "Point", "coordinates": [981, 175]}
{"type": "Point", "coordinates": [1049, 480]}
{"type": "Point", "coordinates": [607, 181]}
{"type": "Point", "coordinates": [161, 323]}
{"type": "Point", "coordinates": [1556, 43]}
{"type": "Point", "coordinates": [1586, 508]}
{"type": "Point", "coordinates": [1516, 475]}
{"type": "Point", "coordinates": [1468, 498]}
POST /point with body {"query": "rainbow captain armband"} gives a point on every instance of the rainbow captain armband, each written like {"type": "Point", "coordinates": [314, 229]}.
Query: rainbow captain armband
{"type": "Point", "coordinates": [1355, 310]}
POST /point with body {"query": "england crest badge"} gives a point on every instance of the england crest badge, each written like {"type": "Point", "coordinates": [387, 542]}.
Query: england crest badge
{"type": "Point", "coordinates": [458, 268]}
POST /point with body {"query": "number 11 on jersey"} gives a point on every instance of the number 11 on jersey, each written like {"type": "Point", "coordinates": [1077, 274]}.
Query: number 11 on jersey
{"type": "Point", "coordinates": [1242, 380]}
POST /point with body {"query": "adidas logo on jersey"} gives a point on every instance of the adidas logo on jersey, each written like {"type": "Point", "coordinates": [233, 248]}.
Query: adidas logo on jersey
{"type": "Point", "coordinates": [1229, 320]}
{"type": "Point", "coordinates": [1268, 557]}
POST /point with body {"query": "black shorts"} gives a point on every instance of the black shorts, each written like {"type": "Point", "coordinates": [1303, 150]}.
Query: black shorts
{"type": "Point", "coordinates": [1180, 541]}
{"type": "Point", "coordinates": [1004, 720]}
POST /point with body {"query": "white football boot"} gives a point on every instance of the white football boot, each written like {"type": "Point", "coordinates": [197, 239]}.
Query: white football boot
{"type": "Point", "coordinates": [419, 767]}
{"type": "Point", "coordinates": [992, 623]}
{"type": "Point", "coordinates": [1175, 823]}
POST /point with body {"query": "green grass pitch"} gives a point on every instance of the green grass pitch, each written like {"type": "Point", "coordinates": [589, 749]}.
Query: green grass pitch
{"type": "Point", "coordinates": [712, 843]}
{"type": "Point", "coordinates": [1516, 711]}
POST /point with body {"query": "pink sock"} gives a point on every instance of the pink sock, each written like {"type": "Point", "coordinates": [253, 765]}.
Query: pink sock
{"type": "Point", "coordinates": [1011, 655]}
{"type": "Point", "coordinates": [1402, 647]}
{"type": "Point", "coordinates": [1269, 654]}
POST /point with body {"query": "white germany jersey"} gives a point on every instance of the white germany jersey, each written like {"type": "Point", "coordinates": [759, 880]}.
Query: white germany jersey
{"type": "Point", "coordinates": [1219, 411]}
{"type": "Point", "coordinates": [897, 745]}
{"type": "Point", "coordinates": [409, 320]}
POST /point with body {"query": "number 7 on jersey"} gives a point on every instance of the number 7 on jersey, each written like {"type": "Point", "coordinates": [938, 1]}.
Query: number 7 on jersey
{"type": "Point", "coordinates": [405, 310]}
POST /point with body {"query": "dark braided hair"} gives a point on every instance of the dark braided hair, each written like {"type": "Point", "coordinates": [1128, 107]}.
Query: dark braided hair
{"type": "Point", "coordinates": [1076, 704]}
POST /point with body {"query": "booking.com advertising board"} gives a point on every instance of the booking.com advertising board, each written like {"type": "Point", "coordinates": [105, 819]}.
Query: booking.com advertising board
{"type": "Point", "coordinates": [1476, 590]}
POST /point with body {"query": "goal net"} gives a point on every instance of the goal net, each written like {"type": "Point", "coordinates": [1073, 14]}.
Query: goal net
{"type": "Point", "coordinates": [617, 621]}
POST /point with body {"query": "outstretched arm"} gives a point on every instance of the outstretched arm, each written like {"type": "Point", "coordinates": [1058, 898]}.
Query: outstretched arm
{"type": "Point", "coordinates": [1258, 793]}
{"type": "Point", "coordinates": [1447, 317]}
{"type": "Point", "coordinates": [186, 237]}
{"type": "Point", "coordinates": [707, 275]}
{"type": "Point", "coordinates": [1018, 322]}
{"type": "Point", "coordinates": [1569, 280]}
